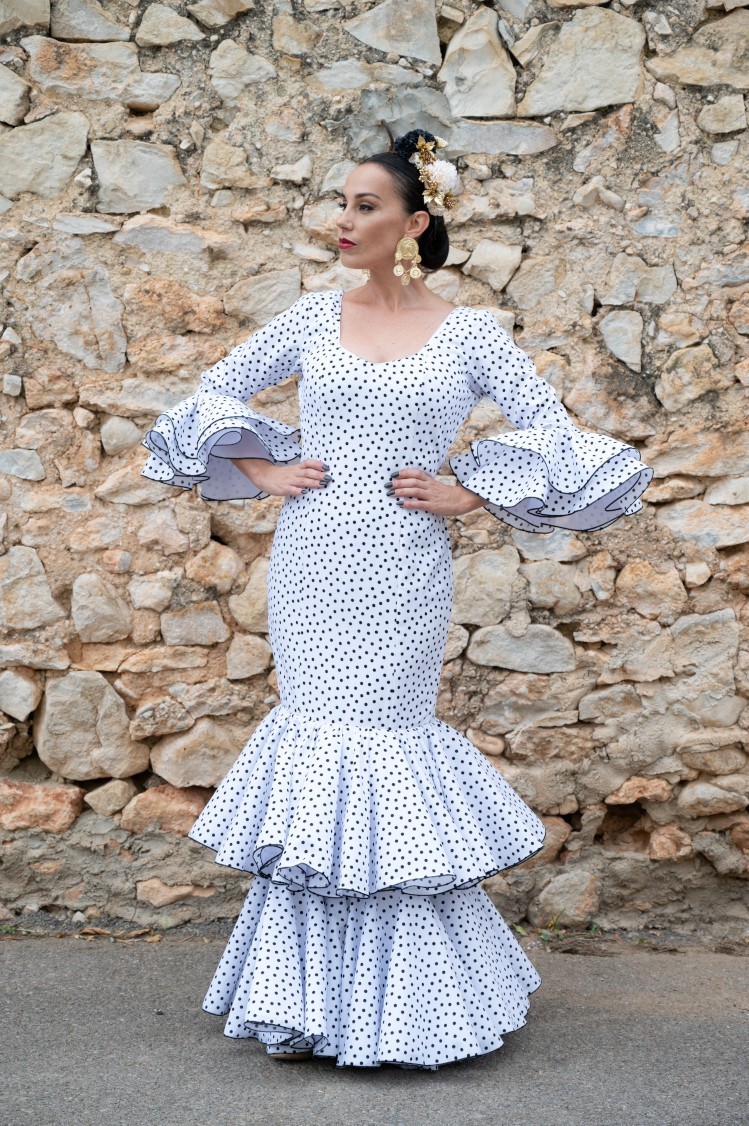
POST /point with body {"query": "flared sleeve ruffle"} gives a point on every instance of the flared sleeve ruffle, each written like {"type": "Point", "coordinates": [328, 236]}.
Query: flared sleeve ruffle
{"type": "Point", "coordinates": [548, 473]}
{"type": "Point", "coordinates": [191, 443]}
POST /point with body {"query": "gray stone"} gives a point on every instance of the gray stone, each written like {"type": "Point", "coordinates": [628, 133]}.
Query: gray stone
{"type": "Point", "coordinates": [134, 175]}
{"type": "Point", "coordinates": [81, 730]}
{"type": "Point", "coordinates": [161, 26]}
{"type": "Point", "coordinates": [248, 655]}
{"type": "Point", "coordinates": [261, 298]}
{"type": "Point", "coordinates": [405, 27]}
{"type": "Point", "coordinates": [199, 757]}
{"type": "Point", "coordinates": [200, 624]}
{"type": "Point", "coordinates": [118, 435]}
{"type": "Point", "coordinates": [99, 613]}
{"type": "Point", "coordinates": [153, 592]}
{"type": "Point", "coordinates": [85, 20]}
{"type": "Point", "coordinates": [22, 463]}
{"type": "Point", "coordinates": [595, 61]}
{"type": "Point", "coordinates": [233, 69]}
{"type": "Point", "coordinates": [725, 116]}
{"type": "Point", "coordinates": [85, 224]}
{"type": "Point", "coordinates": [716, 54]}
{"type": "Point", "coordinates": [478, 73]}
{"type": "Point", "coordinates": [109, 71]}
{"type": "Point", "coordinates": [622, 332]}
{"type": "Point", "coordinates": [540, 649]}
{"type": "Point", "coordinates": [154, 234]}
{"type": "Point", "coordinates": [216, 13]}
{"type": "Point", "coordinates": [20, 692]}
{"type": "Point", "coordinates": [14, 97]}
{"type": "Point", "coordinates": [23, 13]}
{"type": "Point", "coordinates": [26, 601]}
{"type": "Point", "coordinates": [493, 262]}
{"type": "Point", "coordinates": [42, 157]}
{"type": "Point", "coordinates": [482, 586]}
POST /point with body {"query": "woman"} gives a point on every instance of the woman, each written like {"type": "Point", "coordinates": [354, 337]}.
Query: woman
{"type": "Point", "coordinates": [368, 822]}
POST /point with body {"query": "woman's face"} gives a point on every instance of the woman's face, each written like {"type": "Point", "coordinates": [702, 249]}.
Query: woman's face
{"type": "Point", "coordinates": [372, 218]}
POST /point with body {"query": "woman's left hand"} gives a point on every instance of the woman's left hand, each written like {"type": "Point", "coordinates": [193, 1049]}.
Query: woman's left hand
{"type": "Point", "coordinates": [418, 489]}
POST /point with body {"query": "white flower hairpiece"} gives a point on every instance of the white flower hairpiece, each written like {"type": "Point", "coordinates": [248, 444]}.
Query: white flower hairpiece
{"type": "Point", "coordinates": [439, 177]}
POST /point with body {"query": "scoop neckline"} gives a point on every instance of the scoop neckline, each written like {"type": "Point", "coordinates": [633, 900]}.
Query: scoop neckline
{"type": "Point", "coordinates": [386, 363]}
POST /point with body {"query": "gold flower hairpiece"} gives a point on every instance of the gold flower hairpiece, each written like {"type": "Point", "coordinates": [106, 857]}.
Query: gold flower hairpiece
{"type": "Point", "coordinates": [439, 177]}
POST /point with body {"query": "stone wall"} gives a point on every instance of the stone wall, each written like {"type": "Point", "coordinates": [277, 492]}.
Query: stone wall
{"type": "Point", "coordinates": [167, 184]}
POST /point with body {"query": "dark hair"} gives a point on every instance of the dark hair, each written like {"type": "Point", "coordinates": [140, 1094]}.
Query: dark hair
{"type": "Point", "coordinates": [434, 243]}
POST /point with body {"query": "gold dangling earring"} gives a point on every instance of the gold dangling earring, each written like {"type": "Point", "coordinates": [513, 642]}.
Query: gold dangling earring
{"type": "Point", "coordinates": [365, 274]}
{"type": "Point", "coordinates": [407, 248]}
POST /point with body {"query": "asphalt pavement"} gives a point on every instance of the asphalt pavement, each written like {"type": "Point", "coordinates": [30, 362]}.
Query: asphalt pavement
{"type": "Point", "coordinates": [110, 1033]}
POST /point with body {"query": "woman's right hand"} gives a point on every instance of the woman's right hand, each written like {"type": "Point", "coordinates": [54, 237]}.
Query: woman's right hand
{"type": "Point", "coordinates": [284, 480]}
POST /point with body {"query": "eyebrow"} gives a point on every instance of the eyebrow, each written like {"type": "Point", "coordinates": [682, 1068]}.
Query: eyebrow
{"type": "Point", "coordinates": [360, 194]}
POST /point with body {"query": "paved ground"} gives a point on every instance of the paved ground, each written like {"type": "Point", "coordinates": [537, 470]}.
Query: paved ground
{"type": "Point", "coordinates": [105, 1033]}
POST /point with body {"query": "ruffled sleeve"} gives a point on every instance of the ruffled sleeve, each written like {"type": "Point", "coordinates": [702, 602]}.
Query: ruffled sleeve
{"type": "Point", "coordinates": [548, 473]}
{"type": "Point", "coordinates": [191, 443]}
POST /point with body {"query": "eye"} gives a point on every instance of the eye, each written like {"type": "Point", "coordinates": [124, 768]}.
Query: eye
{"type": "Point", "coordinates": [342, 203]}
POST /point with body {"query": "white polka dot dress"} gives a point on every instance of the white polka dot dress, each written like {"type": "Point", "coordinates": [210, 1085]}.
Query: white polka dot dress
{"type": "Point", "coordinates": [368, 823]}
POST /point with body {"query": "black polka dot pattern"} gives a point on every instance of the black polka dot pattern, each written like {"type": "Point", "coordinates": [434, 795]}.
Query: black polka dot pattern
{"type": "Point", "coordinates": [367, 822]}
{"type": "Point", "coordinates": [417, 981]}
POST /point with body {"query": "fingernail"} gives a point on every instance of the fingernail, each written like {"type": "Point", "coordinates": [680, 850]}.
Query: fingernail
{"type": "Point", "coordinates": [325, 466]}
{"type": "Point", "coordinates": [389, 492]}
{"type": "Point", "coordinates": [399, 500]}
{"type": "Point", "coordinates": [394, 474]}
{"type": "Point", "coordinates": [327, 477]}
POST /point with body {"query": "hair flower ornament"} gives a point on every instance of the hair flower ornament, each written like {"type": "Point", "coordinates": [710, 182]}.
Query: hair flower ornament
{"type": "Point", "coordinates": [439, 177]}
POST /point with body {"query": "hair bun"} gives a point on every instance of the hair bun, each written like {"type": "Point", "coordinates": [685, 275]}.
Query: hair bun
{"type": "Point", "coordinates": [407, 145]}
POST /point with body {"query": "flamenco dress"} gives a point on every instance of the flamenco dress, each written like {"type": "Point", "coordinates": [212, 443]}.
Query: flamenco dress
{"type": "Point", "coordinates": [367, 822]}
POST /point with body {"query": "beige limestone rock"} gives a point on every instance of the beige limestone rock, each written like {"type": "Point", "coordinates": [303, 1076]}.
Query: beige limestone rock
{"type": "Point", "coordinates": [166, 808]}
{"type": "Point", "coordinates": [29, 805]}
{"type": "Point", "coordinates": [552, 585]}
{"type": "Point", "coordinates": [594, 61]}
{"type": "Point", "coordinates": [630, 278]}
{"type": "Point", "coordinates": [100, 71]}
{"type": "Point", "coordinates": [159, 715]}
{"type": "Point", "coordinates": [157, 235]}
{"type": "Point", "coordinates": [158, 894]}
{"type": "Point", "coordinates": [706, 525]}
{"type": "Point", "coordinates": [14, 97]}
{"type": "Point", "coordinates": [23, 13]}
{"type": "Point", "coordinates": [201, 756]}
{"type": "Point", "coordinates": [117, 434]}
{"type": "Point", "coordinates": [153, 592]}
{"type": "Point", "coordinates": [98, 611]}
{"type": "Point", "coordinates": [112, 796]}
{"type": "Point", "coordinates": [482, 586]}
{"type": "Point", "coordinates": [653, 590]}
{"type": "Point", "coordinates": [134, 175]}
{"type": "Point", "coordinates": [25, 464]}
{"type": "Point", "coordinates": [216, 13]}
{"type": "Point", "coordinates": [261, 298]}
{"type": "Point", "coordinates": [160, 355]}
{"type": "Point", "coordinates": [84, 20]}
{"type": "Point", "coordinates": [717, 52]}
{"type": "Point", "coordinates": [726, 115]}
{"type": "Point", "coordinates": [161, 658]}
{"type": "Point", "coordinates": [702, 799]}
{"type": "Point", "coordinates": [225, 166]}
{"type": "Point", "coordinates": [216, 566]}
{"type": "Point", "coordinates": [621, 330]}
{"type": "Point", "coordinates": [126, 486]}
{"type": "Point", "coordinates": [161, 26]}
{"type": "Point", "coordinates": [571, 898]}
{"type": "Point", "coordinates": [539, 649]}
{"type": "Point", "coordinates": [638, 788]}
{"type": "Point", "coordinates": [199, 624]}
{"type": "Point", "coordinates": [403, 27]}
{"type": "Point", "coordinates": [248, 655]}
{"type": "Point", "coordinates": [42, 157]}
{"type": "Point", "coordinates": [81, 729]}
{"type": "Point", "coordinates": [478, 73]}
{"type": "Point", "coordinates": [250, 608]}
{"type": "Point", "coordinates": [669, 842]}
{"type": "Point", "coordinates": [175, 307]}
{"type": "Point", "coordinates": [26, 601]}
{"type": "Point", "coordinates": [20, 692]}
{"type": "Point", "coordinates": [689, 373]}
{"type": "Point", "coordinates": [292, 37]}
{"type": "Point", "coordinates": [493, 262]}
{"type": "Point", "coordinates": [232, 69]}
{"type": "Point", "coordinates": [557, 832]}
